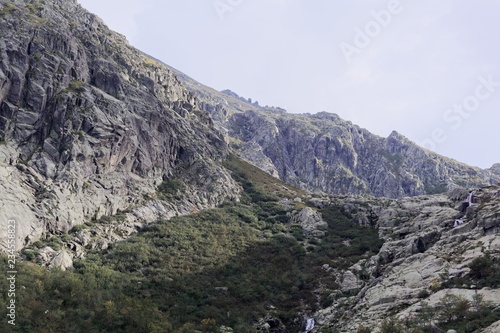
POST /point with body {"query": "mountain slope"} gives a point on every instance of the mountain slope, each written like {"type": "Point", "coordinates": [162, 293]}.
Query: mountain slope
{"type": "Point", "coordinates": [110, 165]}
{"type": "Point", "coordinates": [324, 152]}
{"type": "Point", "coordinates": [90, 127]}
{"type": "Point", "coordinates": [428, 266]}
{"type": "Point", "coordinates": [278, 258]}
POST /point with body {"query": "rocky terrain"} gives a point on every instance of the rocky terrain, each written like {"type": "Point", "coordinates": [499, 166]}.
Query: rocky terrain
{"type": "Point", "coordinates": [90, 127]}
{"type": "Point", "coordinates": [324, 152]}
{"type": "Point", "coordinates": [423, 251]}
{"type": "Point", "coordinates": [99, 141]}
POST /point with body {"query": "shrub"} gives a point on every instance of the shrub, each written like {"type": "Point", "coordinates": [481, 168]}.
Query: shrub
{"type": "Point", "coordinates": [392, 325]}
{"type": "Point", "coordinates": [171, 187]}
{"type": "Point", "coordinates": [481, 267]}
{"type": "Point", "coordinates": [363, 329]}
{"type": "Point", "coordinates": [424, 293]}
{"type": "Point", "coordinates": [7, 9]}
{"type": "Point", "coordinates": [76, 86]}
{"type": "Point", "coordinates": [77, 228]}
{"type": "Point", "coordinates": [453, 307]}
{"type": "Point", "coordinates": [54, 245]}
{"type": "Point", "coordinates": [30, 254]}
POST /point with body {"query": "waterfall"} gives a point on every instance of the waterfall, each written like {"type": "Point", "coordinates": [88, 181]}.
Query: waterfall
{"type": "Point", "coordinates": [309, 325]}
{"type": "Point", "coordinates": [469, 198]}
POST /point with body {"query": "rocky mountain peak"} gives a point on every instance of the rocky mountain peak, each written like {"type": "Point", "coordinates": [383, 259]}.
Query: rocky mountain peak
{"type": "Point", "coordinates": [396, 136]}
{"type": "Point", "coordinates": [324, 152]}
{"type": "Point", "coordinates": [495, 168]}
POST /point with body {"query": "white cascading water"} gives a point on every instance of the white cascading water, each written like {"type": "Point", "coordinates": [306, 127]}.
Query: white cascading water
{"type": "Point", "coordinates": [309, 325]}
{"type": "Point", "coordinates": [469, 198]}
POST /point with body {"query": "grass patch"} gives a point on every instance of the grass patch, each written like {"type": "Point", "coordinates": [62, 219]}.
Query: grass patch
{"type": "Point", "coordinates": [8, 8]}
{"type": "Point", "coordinates": [262, 182]}
{"type": "Point", "coordinates": [75, 86]}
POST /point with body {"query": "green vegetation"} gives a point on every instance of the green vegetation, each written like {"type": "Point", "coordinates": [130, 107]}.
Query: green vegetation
{"type": "Point", "coordinates": [485, 272]}
{"type": "Point", "coordinates": [95, 300]}
{"type": "Point", "coordinates": [363, 329]}
{"type": "Point", "coordinates": [147, 61]}
{"type": "Point", "coordinates": [258, 181]}
{"type": "Point", "coordinates": [170, 189]}
{"type": "Point", "coordinates": [226, 266]}
{"type": "Point", "coordinates": [362, 241]}
{"type": "Point", "coordinates": [392, 325]}
{"type": "Point", "coordinates": [75, 86]}
{"type": "Point", "coordinates": [453, 312]}
{"type": "Point", "coordinates": [436, 188]}
{"type": "Point", "coordinates": [35, 8]}
{"type": "Point", "coordinates": [7, 9]}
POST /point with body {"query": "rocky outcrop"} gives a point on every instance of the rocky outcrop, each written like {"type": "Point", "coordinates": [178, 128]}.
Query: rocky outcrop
{"type": "Point", "coordinates": [324, 152]}
{"type": "Point", "coordinates": [311, 222]}
{"type": "Point", "coordinates": [493, 328]}
{"type": "Point", "coordinates": [90, 127]}
{"type": "Point", "coordinates": [61, 259]}
{"type": "Point", "coordinates": [495, 169]}
{"type": "Point", "coordinates": [422, 251]}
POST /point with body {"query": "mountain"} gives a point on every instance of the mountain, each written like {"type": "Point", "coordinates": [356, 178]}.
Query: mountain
{"type": "Point", "coordinates": [136, 208]}
{"type": "Point", "coordinates": [324, 152]}
{"type": "Point", "coordinates": [89, 127]}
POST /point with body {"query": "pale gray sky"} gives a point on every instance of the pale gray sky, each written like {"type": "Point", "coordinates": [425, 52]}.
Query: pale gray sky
{"type": "Point", "coordinates": [428, 69]}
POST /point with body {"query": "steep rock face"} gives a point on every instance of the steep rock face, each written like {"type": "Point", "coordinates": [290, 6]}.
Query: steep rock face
{"type": "Point", "coordinates": [88, 124]}
{"type": "Point", "coordinates": [495, 169]}
{"type": "Point", "coordinates": [324, 152]}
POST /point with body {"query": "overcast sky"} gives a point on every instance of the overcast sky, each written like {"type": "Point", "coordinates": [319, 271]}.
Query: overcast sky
{"type": "Point", "coordinates": [427, 69]}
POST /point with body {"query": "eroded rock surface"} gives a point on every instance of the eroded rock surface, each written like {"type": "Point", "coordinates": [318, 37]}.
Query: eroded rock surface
{"type": "Point", "coordinates": [422, 251]}
{"type": "Point", "coordinates": [89, 126]}
{"type": "Point", "coordinates": [324, 152]}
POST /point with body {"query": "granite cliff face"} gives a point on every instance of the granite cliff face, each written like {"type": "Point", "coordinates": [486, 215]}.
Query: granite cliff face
{"type": "Point", "coordinates": [324, 152]}
{"type": "Point", "coordinates": [90, 127]}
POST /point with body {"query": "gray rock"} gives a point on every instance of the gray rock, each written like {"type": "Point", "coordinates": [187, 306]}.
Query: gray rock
{"type": "Point", "coordinates": [311, 222]}
{"type": "Point", "coordinates": [56, 259]}
{"type": "Point", "coordinates": [323, 151]}
{"type": "Point", "coordinates": [420, 253]}
{"type": "Point", "coordinates": [92, 126]}
{"type": "Point", "coordinates": [349, 282]}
